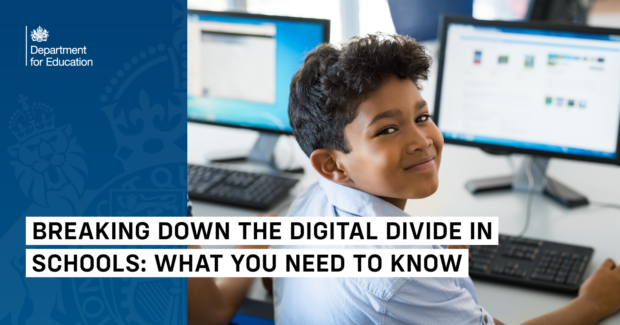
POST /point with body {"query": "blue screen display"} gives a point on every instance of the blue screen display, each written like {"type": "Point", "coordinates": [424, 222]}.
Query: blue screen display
{"type": "Point", "coordinates": [529, 145]}
{"type": "Point", "coordinates": [240, 68]}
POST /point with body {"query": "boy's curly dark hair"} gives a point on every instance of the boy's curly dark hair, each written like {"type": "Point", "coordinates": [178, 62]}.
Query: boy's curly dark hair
{"type": "Point", "coordinates": [332, 82]}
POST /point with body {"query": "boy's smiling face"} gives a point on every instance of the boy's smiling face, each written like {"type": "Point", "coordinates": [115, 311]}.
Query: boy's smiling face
{"type": "Point", "coordinates": [395, 146]}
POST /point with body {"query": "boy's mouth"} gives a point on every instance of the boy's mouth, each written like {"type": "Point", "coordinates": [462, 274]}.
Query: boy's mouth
{"type": "Point", "coordinates": [423, 164]}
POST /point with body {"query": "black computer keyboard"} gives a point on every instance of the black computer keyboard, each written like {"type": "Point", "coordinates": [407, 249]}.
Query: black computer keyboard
{"type": "Point", "coordinates": [531, 262]}
{"type": "Point", "coordinates": [251, 190]}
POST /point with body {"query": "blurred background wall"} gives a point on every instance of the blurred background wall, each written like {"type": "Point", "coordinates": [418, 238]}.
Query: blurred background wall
{"type": "Point", "coordinates": [359, 17]}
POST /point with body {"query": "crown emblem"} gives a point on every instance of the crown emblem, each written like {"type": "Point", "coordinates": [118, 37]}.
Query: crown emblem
{"type": "Point", "coordinates": [30, 121]}
{"type": "Point", "coordinates": [39, 35]}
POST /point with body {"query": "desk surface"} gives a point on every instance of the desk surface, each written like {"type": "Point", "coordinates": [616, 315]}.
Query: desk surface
{"type": "Point", "coordinates": [588, 226]}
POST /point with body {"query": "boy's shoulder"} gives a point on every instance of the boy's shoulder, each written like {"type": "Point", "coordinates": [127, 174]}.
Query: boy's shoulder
{"type": "Point", "coordinates": [329, 199]}
{"type": "Point", "coordinates": [311, 203]}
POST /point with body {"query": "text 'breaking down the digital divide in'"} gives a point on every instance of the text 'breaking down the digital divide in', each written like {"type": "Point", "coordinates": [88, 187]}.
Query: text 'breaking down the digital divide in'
{"type": "Point", "coordinates": [407, 247]}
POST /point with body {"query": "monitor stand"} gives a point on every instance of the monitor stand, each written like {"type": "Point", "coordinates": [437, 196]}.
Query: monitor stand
{"type": "Point", "coordinates": [542, 184]}
{"type": "Point", "coordinates": [263, 153]}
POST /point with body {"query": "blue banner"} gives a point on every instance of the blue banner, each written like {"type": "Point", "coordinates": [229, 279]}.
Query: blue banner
{"type": "Point", "coordinates": [94, 104]}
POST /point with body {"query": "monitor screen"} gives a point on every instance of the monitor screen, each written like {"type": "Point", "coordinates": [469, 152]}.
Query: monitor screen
{"type": "Point", "coordinates": [240, 67]}
{"type": "Point", "coordinates": [552, 91]}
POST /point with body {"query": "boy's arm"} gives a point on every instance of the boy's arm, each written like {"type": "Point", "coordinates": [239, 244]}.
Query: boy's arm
{"type": "Point", "coordinates": [216, 301]}
{"type": "Point", "coordinates": [268, 285]}
{"type": "Point", "coordinates": [599, 298]}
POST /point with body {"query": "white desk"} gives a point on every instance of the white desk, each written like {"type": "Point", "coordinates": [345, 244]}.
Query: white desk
{"type": "Point", "coordinates": [589, 226]}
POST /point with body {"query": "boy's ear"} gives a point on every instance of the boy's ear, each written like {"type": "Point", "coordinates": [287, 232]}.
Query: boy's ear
{"type": "Point", "coordinates": [325, 162]}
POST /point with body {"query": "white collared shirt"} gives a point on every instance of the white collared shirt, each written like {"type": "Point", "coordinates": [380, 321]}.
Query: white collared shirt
{"type": "Point", "coordinates": [369, 300]}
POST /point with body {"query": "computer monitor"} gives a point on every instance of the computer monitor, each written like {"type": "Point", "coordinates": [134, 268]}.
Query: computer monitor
{"type": "Point", "coordinates": [533, 88]}
{"type": "Point", "coordinates": [240, 68]}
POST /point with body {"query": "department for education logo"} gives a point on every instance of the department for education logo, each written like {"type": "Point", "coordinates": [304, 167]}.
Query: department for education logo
{"type": "Point", "coordinates": [39, 35]}
{"type": "Point", "coordinates": [38, 54]}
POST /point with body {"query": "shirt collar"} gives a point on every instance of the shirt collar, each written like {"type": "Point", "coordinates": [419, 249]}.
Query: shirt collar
{"type": "Point", "coordinates": [357, 202]}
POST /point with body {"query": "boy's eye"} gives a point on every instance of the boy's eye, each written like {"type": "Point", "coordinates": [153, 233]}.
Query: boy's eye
{"type": "Point", "coordinates": [387, 130]}
{"type": "Point", "coordinates": [423, 118]}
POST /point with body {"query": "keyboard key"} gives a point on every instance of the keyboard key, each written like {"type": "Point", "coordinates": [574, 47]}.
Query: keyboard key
{"type": "Point", "coordinates": [477, 259]}
{"type": "Point", "coordinates": [578, 267]}
{"type": "Point", "coordinates": [479, 266]}
{"type": "Point", "coordinates": [482, 258]}
{"type": "Point", "coordinates": [497, 269]}
{"type": "Point", "coordinates": [572, 279]}
{"type": "Point", "coordinates": [542, 277]}
{"type": "Point", "coordinates": [560, 279]}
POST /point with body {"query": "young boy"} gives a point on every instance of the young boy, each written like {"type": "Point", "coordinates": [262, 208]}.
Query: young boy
{"type": "Point", "coordinates": [357, 113]}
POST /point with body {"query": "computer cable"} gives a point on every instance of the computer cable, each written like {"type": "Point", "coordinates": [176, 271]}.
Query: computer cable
{"type": "Point", "coordinates": [530, 196]}
{"type": "Point", "coordinates": [605, 205]}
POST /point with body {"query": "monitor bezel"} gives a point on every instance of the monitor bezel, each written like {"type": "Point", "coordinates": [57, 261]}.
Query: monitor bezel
{"type": "Point", "coordinates": [326, 31]}
{"type": "Point", "coordinates": [445, 21]}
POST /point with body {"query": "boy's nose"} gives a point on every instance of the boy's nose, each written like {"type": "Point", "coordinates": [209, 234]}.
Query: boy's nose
{"type": "Point", "coordinates": [418, 142]}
